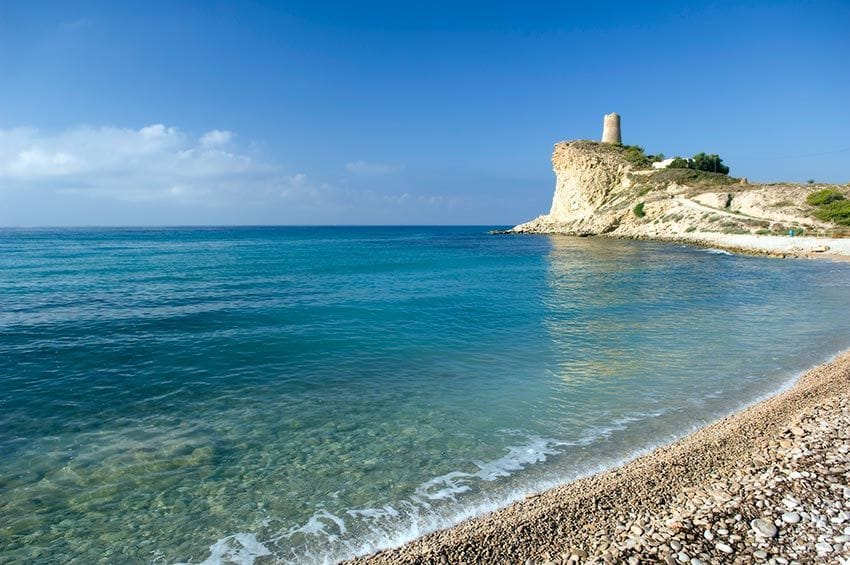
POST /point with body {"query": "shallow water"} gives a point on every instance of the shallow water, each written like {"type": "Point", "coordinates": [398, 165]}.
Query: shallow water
{"type": "Point", "coordinates": [308, 394]}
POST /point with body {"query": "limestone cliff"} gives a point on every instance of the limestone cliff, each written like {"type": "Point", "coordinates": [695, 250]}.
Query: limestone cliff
{"type": "Point", "coordinates": [597, 189]}
{"type": "Point", "coordinates": [591, 183]}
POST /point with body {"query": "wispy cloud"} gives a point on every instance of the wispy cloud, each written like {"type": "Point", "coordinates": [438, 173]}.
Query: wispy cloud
{"type": "Point", "coordinates": [154, 162]}
{"type": "Point", "coordinates": [371, 168]}
{"type": "Point", "coordinates": [106, 173]}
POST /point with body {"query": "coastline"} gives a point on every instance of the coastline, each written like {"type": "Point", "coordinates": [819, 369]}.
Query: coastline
{"type": "Point", "coordinates": [784, 462]}
{"type": "Point", "coordinates": [783, 247]}
{"type": "Point", "coordinates": [802, 247]}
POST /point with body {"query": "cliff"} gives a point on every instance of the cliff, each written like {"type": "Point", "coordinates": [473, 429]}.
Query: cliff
{"type": "Point", "coordinates": [591, 181]}
{"type": "Point", "coordinates": [599, 190]}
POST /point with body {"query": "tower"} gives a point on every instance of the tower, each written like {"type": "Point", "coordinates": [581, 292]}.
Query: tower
{"type": "Point", "coordinates": [611, 128]}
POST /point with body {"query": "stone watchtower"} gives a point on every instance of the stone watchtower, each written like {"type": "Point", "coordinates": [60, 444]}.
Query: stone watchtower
{"type": "Point", "coordinates": [611, 128]}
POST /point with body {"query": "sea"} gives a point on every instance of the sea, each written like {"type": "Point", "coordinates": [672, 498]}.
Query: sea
{"type": "Point", "coordinates": [310, 394]}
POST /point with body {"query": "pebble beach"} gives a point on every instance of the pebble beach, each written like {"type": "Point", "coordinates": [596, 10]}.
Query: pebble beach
{"type": "Point", "coordinates": [770, 484]}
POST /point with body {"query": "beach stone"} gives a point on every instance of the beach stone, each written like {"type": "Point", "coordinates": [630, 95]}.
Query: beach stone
{"type": "Point", "coordinates": [763, 527]}
{"type": "Point", "coordinates": [841, 539]}
{"type": "Point", "coordinates": [790, 517]}
{"type": "Point", "coordinates": [683, 557]}
{"type": "Point", "coordinates": [725, 548]}
{"type": "Point", "coordinates": [760, 554]}
{"type": "Point", "coordinates": [823, 547]}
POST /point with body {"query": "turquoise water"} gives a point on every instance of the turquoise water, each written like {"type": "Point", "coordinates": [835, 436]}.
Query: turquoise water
{"type": "Point", "coordinates": [308, 394]}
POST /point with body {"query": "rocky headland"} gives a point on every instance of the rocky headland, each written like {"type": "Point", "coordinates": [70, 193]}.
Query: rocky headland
{"type": "Point", "coordinates": [600, 191]}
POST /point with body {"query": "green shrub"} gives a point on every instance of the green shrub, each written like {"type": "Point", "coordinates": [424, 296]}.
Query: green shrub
{"type": "Point", "coordinates": [638, 210]}
{"type": "Point", "coordinates": [836, 211]}
{"type": "Point", "coordinates": [636, 156]}
{"type": "Point", "coordinates": [679, 163]}
{"type": "Point", "coordinates": [690, 229]}
{"type": "Point", "coordinates": [823, 197]}
{"type": "Point", "coordinates": [762, 232]}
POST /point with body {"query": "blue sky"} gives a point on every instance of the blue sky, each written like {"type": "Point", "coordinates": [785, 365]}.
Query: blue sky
{"type": "Point", "coordinates": [152, 113]}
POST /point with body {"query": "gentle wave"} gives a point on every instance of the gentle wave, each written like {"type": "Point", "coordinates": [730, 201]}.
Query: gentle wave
{"type": "Point", "coordinates": [393, 525]}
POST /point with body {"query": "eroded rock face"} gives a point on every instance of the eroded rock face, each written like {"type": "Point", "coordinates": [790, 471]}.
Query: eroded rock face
{"type": "Point", "coordinates": [589, 179]}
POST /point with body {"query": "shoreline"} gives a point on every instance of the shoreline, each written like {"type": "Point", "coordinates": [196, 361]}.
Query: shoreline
{"type": "Point", "coordinates": [751, 465]}
{"type": "Point", "coordinates": [782, 247]}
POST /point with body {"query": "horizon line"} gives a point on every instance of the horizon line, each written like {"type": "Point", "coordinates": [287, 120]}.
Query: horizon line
{"type": "Point", "coordinates": [184, 226]}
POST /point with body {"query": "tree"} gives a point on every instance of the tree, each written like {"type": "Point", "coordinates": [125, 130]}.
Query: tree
{"type": "Point", "coordinates": [711, 163]}
{"type": "Point", "coordinates": [679, 163]}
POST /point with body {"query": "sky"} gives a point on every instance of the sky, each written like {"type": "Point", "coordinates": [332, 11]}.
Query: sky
{"type": "Point", "coordinates": [244, 113]}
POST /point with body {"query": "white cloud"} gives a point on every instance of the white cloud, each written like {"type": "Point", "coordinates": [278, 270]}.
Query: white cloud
{"type": "Point", "coordinates": [154, 162]}
{"type": "Point", "coordinates": [216, 138]}
{"type": "Point", "coordinates": [367, 168]}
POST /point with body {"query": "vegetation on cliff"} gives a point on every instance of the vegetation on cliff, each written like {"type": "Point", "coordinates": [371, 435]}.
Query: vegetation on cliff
{"type": "Point", "coordinates": [831, 206]}
{"type": "Point", "coordinates": [824, 197]}
{"type": "Point", "coordinates": [702, 162]}
{"type": "Point", "coordinates": [636, 156]}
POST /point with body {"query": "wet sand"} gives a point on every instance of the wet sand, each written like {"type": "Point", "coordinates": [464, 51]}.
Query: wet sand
{"type": "Point", "coordinates": [768, 484]}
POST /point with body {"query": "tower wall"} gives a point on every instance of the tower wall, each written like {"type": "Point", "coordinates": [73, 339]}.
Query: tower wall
{"type": "Point", "coordinates": [611, 128]}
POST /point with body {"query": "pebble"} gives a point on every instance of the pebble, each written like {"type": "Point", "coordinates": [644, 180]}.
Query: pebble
{"type": "Point", "coordinates": [675, 545]}
{"type": "Point", "coordinates": [790, 517]}
{"type": "Point", "coordinates": [764, 527]}
{"type": "Point", "coordinates": [760, 554]}
{"type": "Point", "coordinates": [823, 547]}
{"type": "Point", "coordinates": [725, 548]}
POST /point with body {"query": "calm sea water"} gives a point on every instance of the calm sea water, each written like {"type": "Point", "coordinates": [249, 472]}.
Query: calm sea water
{"type": "Point", "coordinates": [308, 394]}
